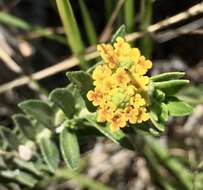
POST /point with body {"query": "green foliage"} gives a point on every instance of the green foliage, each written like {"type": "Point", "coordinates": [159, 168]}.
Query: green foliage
{"type": "Point", "coordinates": [84, 83]}
{"type": "Point", "coordinates": [41, 111]}
{"type": "Point", "coordinates": [167, 76]}
{"type": "Point", "coordinates": [177, 107]}
{"type": "Point", "coordinates": [63, 99]}
{"type": "Point", "coordinates": [163, 102]}
{"type": "Point", "coordinates": [50, 131]}
{"type": "Point", "coordinates": [118, 137]}
{"type": "Point", "coordinates": [24, 123]}
{"type": "Point", "coordinates": [69, 147]}
{"type": "Point", "coordinates": [171, 87]}
{"type": "Point", "coordinates": [20, 177]}
{"type": "Point", "coordinates": [121, 31]}
{"type": "Point", "coordinates": [50, 153]}
{"type": "Point", "coordinates": [9, 137]}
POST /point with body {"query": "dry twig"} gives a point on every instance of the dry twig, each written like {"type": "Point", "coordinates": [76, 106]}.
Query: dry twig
{"type": "Point", "coordinates": [9, 62]}
{"type": "Point", "coordinates": [109, 26]}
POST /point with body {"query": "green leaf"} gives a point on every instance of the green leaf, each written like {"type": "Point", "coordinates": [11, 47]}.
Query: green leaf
{"type": "Point", "coordinates": [20, 176]}
{"type": "Point", "coordinates": [50, 153]}
{"type": "Point", "coordinates": [155, 109]}
{"type": "Point", "coordinates": [89, 26]}
{"type": "Point", "coordinates": [9, 137]}
{"type": "Point", "coordinates": [119, 33]}
{"type": "Point", "coordinates": [28, 165]}
{"type": "Point", "coordinates": [154, 131]}
{"type": "Point", "coordinates": [146, 127]}
{"type": "Point", "coordinates": [158, 124]}
{"type": "Point", "coordinates": [84, 83]}
{"type": "Point", "coordinates": [118, 137]}
{"type": "Point", "coordinates": [25, 125]}
{"type": "Point", "coordinates": [70, 148]}
{"type": "Point", "coordinates": [177, 107]}
{"type": "Point", "coordinates": [26, 179]}
{"type": "Point", "coordinates": [39, 110]}
{"type": "Point", "coordinates": [71, 29]}
{"type": "Point", "coordinates": [171, 87]}
{"type": "Point", "coordinates": [159, 95]}
{"type": "Point", "coordinates": [151, 91]}
{"type": "Point", "coordinates": [63, 99]}
{"type": "Point", "coordinates": [167, 76]}
{"type": "Point", "coordinates": [164, 112]}
{"type": "Point", "coordinates": [12, 185]}
{"type": "Point", "coordinates": [2, 163]}
{"type": "Point", "coordinates": [79, 101]}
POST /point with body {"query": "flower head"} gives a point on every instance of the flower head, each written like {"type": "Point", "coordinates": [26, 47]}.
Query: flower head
{"type": "Point", "coordinates": [120, 85]}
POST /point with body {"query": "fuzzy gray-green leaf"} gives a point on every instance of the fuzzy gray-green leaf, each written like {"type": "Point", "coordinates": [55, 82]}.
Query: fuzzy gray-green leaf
{"type": "Point", "coordinates": [84, 83]}
{"type": "Point", "coordinates": [64, 99]}
{"type": "Point", "coordinates": [20, 176]}
{"type": "Point", "coordinates": [28, 165]}
{"type": "Point", "coordinates": [50, 153]}
{"type": "Point", "coordinates": [70, 148]}
{"type": "Point", "coordinates": [25, 125]}
{"type": "Point", "coordinates": [39, 110]}
{"type": "Point", "coordinates": [9, 137]}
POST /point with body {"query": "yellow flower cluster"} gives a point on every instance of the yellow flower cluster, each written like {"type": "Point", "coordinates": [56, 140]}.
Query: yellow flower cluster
{"type": "Point", "coordinates": [120, 85]}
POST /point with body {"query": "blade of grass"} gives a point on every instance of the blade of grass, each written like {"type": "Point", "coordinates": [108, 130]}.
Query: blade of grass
{"type": "Point", "coordinates": [156, 172]}
{"type": "Point", "coordinates": [176, 168]}
{"type": "Point", "coordinates": [129, 15]}
{"type": "Point", "coordinates": [145, 21]}
{"type": "Point", "coordinates": [108, 6]}
{"type": "Point", "coordinates": [71, 30]}
{"type": "Point", "coordinates": [21, 24]}
{"type": "Point", "coordinates": [89, 26]}
{"type": "Point", "coordinates": [82, 180]}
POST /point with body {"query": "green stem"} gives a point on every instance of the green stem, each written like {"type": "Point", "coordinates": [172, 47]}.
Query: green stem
{"type": "Point", "coordinates": [71, 30]}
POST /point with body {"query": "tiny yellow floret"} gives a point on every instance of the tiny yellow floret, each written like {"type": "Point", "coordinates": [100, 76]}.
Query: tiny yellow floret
{"type": "Point", "coordinates": [121, 85]}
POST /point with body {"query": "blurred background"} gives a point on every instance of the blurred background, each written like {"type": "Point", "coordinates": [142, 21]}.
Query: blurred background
{"type": "Point", "coordinates": [35, 55]}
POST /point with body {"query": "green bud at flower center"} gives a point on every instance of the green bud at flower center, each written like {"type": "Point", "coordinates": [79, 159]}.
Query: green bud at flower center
{"type": "Point", "coordinates": [120, 99]}
{"type": "Point", "coordinates": [125, 62]}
